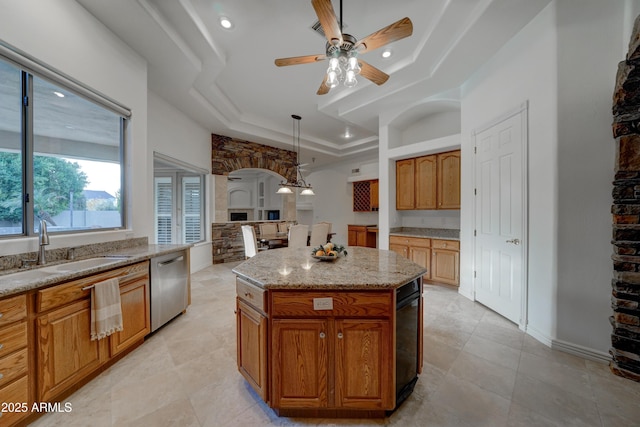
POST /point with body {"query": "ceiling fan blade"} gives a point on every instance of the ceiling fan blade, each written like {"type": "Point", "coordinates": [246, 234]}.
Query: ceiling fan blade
{"type": "Point", "coordinates": [296, 60]}
{"type": "Point", "coordinates": [396, 31]}
{"type": "Point", "coordinates": [328, 20]}
{"type": "Point", "coordinates": [323, 89]}
{"type": "Point", "coordinates": [372, 73]}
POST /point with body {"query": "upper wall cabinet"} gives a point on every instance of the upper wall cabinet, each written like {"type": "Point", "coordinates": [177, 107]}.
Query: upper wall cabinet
{"type": "Point", "coordinates": [429, 182]}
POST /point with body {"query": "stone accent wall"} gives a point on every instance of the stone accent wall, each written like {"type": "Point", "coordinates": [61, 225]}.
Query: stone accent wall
{"type": "Point", "coordinates": [625, 338]}
{"type": "Point", "coordinates": [228, 245]}
{"type": "Point", "coordinates": [230, 154]}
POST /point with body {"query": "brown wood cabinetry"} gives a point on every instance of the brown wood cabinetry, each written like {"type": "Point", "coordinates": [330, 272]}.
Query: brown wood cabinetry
{"type": "Point", "coordinates": [338, 357]}
{"type": "Point", "coordinates": [417, 249]}
{"type": "Point", "coordinates": [365, 196]}
{"type": "Point", "coordinates": [405, 184]}
{"type": "Point", "coordinates": [429, 182]}
{"type": "Point", "coordinates": [361, 235]}
{"type": "Point", "coordinates": [14, 358]}
{"type": "Point", "coordinates": [251, 335]}
{"type": "Point", "coordinates": [65, 352]}
{"type": "Point", "coordinates": [449, 180]}
{"type": "Point", "coordinates": [445, 262]}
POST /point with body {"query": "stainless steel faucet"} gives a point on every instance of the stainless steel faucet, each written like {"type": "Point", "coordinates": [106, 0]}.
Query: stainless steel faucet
{"type": "Point", "coordinates": [43, 240]}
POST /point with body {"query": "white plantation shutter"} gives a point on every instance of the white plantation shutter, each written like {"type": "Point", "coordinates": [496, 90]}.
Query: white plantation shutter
{"type": "Point", "coordinates": [164, 210]}
{"type": "Point", "coordinates": [191, 209]}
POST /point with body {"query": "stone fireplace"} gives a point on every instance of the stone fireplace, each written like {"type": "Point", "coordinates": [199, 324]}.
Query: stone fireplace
{"type": "Point", "coordinates": [625, 339]}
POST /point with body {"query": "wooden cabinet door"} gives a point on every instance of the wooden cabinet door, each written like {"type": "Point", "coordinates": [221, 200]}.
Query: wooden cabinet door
{"type": "Point", "coordinates": [65, 351]}
{"type": "Point", "coordinates": [374, 195]}
{"type": "Point", "coordinates": [299, 363]}
{"type": "Point", "coordinates": [251, 335]}
{"type": "Point", "coordinates": [449, 180]}
{"type": "Point", "coordinates": [421, 256]}
{"type": "Point", "coordinates": [405, 184]}
{"type": "Point", "coordinates": [445, 266]}
{"type": "Point", "coordinates": [361, 239]}
{"type": "Point", "coordinates": [426, 186]}
{"type": "Point", "coordinates": [399, 249]}
{"type": "Point", "coordinates": [364, 377]}
{"type": "Point", "coordinates": [136, 317]}
{"type": "Point", "coordinates": [353, 237]}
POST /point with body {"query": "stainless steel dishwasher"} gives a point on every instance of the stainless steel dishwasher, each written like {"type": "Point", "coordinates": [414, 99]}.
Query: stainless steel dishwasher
{"type": "Point", "coordinates": [169, 287]}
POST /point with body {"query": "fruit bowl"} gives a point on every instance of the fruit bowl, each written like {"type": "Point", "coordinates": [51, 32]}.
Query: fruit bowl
{"type": "Point", "coordinates": [328, 252]}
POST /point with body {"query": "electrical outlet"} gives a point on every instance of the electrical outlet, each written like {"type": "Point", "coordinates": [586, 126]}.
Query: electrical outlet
{"type": "Point", "coordinates": [323, 303]}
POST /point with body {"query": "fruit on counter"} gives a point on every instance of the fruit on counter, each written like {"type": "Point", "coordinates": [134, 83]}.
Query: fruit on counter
{"type": "Point", "coordinates": [328, 247]}
{"type": "Point", "coordinates": [320, 253]}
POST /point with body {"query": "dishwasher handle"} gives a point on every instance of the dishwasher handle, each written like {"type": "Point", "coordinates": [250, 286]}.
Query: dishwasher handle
{"type": "Point", "coordinates": [171, 261]}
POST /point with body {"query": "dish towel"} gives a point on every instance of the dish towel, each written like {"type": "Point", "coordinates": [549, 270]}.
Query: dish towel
{"type": "Point", "coordinates": [106, 311]}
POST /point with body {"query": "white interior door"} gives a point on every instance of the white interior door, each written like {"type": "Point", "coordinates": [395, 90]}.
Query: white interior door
{"type": "Point", "coordinates": [500, 246]}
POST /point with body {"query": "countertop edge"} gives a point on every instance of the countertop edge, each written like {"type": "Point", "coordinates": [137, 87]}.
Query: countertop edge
{"type": "Point", "coordinates": [129, 256]}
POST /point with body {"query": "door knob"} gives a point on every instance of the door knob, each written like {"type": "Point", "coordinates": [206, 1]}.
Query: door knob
{"type": "Point", "coordinates": [514, 241]}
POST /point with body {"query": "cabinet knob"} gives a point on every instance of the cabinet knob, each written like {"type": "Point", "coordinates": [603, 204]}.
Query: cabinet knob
{"type": "Point", "coordinates": [322, 335]}
{"type": "Point", "coordinates": [1, 346]}
{"type": "Point", "coordinates": [0, 314]}
{"type": "Point", "coordinates": [1, 376]}
{"type": "Point", "coordinates": [340, 335]}
{"type": "Point", "coordinates": [248, 295]}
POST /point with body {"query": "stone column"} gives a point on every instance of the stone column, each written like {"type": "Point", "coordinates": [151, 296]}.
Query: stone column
{"type": "Point", "coordinates": [625, 339]}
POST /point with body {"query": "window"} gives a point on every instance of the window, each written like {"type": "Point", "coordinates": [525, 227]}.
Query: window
{"type": "Point", "coordinates": [60, 155]}
{"type": "Point", "coordinates": [179, 201]}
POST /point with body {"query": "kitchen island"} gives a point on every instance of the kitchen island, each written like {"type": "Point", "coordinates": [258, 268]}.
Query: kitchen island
{"type": "Point", "coordinates": [330, 339]}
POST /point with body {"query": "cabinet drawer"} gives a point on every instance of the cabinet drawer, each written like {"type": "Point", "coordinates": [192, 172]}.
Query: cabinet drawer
{"type": "Point", "coordinates": [13, 309]}
{"type": "Point", "coordinates": [251, 294]}
{"type": "Point", "coordinates": [419, 242]}
{"type": "Point", "coordinates": [452, 245]}
{"type": "Point", "coordinates": [330, 304]}
{"type": "Point", "coordinates": [13, 338]}
{"type": "Point", "coordinates": [17, 393]}
{"type": "Point", "coordinates": [65, 293]}
{"type": "Point", "coordinates": [13, 366]}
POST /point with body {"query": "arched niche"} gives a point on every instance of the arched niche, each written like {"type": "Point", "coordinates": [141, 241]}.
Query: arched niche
{"type": "Point", "coordinates": [425, 121]}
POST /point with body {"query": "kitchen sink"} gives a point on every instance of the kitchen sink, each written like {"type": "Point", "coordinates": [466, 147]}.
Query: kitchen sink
{"type": "Point", "coordinates": [83, 264]}
{"type": "Point", "coordinates": [67, 267]}
{"type": "Point", "coordinates": [26, 276]}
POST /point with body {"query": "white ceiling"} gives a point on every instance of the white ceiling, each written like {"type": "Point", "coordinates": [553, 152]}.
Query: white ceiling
{"type": "Point", "coordinates": [226, 80]}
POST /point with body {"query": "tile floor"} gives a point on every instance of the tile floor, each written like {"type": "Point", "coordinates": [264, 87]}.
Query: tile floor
{"type": "Point", "coordinates": [480, 370]}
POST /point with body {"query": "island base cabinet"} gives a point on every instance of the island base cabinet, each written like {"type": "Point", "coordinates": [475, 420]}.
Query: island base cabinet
{"type": "Point", "coordinates": [251, 337]}
{"type": "Point", "coordinates": [342, 364]}
{"type": "Point", "coordinates": [363, 364]}
{"type": "Point", "coordinates": [66, 352]}
{"type": "Point", "coordinates": [299, 363]}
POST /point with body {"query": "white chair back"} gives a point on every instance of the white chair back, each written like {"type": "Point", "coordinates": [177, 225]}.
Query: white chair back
{"type": "Point", "coordinates": [268, 228]}
{"type": "Point", "coordinates": [283, 227]}
{"type": "Point", "coordinates": [250, 241]}
{"type": "Point", "coordinates": [325, 222]}
{"type": "Point", "coordinates": [319, 233]}
{"type": "Point", "coordinates": [298, 236]}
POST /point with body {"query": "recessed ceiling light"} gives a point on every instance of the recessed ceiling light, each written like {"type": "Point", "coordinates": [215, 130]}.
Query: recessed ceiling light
{"type": "Point", "coordinates": [347, 134]}
{"type": "Point", "coordinates": [59, 94]}
{"type": "Point", "coordinates": [386, 53]}
{"type": "Point", "coordinates": [226, 23]}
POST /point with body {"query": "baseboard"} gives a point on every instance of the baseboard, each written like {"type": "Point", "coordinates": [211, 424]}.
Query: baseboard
{"type": "Point", "coordinates": [467, 293]}
{"type": "Point", "coordinates": [567, 347]}
{"type": "Point", "coordinates": [580, 351]}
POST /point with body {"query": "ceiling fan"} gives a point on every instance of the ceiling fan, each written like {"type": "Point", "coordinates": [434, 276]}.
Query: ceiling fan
{"type": "Point", "coordinates": [343, 49]}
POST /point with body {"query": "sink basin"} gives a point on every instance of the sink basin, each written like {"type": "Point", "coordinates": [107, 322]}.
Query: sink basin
{"type": "Point", "coordinates": [80, 265]}
{"type": "Point", "coordinates": [68, 267]}
{"type": "Point", "coordinates": [26, 276]}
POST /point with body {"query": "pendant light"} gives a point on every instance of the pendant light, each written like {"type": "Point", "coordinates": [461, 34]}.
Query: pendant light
{"type": "Point", "coordinates": [287, 187]}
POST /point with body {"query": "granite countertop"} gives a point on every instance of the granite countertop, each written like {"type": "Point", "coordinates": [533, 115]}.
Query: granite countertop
{"type": "Point", "coordinates": [362, 268]}
{"type": "Point", "coordinates": [52, 274]}
{"type": "Point", "coordinates": [434, 233]}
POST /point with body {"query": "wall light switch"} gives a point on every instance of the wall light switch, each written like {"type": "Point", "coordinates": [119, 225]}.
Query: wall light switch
{"type": "Point", "coordinates": [323, 303]}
